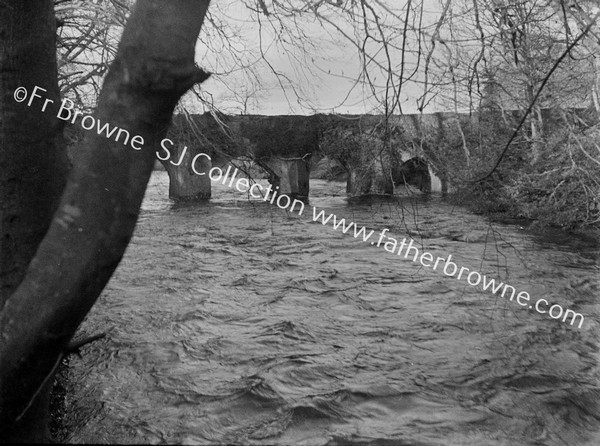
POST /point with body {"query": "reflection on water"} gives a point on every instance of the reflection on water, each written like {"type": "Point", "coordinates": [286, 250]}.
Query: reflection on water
{"type": "Point", "coordinates": [234, 322]}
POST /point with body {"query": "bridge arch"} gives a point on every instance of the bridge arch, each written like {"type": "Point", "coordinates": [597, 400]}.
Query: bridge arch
{"type": "Point", "coordinates": [417, 172]}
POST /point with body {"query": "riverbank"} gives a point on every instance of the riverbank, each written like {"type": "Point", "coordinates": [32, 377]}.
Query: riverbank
{"type": "Point", "coordinates": [496, 206]}
{"type": "Point", "coordinates": [57, 427]}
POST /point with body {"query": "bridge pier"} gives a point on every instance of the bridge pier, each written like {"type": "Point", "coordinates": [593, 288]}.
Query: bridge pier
{"type": "Point", "coordinates": [291, 175]}
{"type": "Point", "coordinates": [183, 167]}
{"type": "Point", "coordinates": [371, 177]}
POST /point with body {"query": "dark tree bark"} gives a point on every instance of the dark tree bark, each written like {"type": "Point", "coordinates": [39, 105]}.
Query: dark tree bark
{"type": "Point", "coordinates": [99, 208]}
{"type": "Point", "coordinates": [33, 162]}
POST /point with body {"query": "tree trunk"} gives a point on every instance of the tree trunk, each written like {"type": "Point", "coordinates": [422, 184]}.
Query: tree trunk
{"type": "Point", "coordinates": [33, 161]}
{"type": "Point", "coordinates": [98, 211]}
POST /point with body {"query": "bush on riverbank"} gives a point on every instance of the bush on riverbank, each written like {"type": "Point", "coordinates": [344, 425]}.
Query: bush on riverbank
{"type": "Point", "coordinates": [553, 180]}
{"type": "Point", "coordinates": [562, 187]}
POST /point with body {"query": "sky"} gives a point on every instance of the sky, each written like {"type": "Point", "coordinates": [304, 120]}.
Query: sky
{"type": "Point", "coordinates": [319, 78]}
{"type": "Point", "coordinates": [319, 70]}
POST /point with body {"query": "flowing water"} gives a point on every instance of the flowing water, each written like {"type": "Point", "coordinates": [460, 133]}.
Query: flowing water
{"type": "Point", "coordinates": [237, 322]}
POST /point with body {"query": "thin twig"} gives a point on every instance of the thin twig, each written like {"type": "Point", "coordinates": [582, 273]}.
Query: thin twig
{"type": "Point", "coordinates": [528, 111]}
{"type": "Point", "coordinates": [74, 346]}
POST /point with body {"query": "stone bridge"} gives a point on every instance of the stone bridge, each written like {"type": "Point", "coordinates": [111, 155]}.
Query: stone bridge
{"type": "Point", "coordinates": [286, 147]}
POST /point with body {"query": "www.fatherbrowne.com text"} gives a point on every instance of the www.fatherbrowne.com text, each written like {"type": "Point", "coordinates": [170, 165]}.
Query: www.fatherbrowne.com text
{"type": "Point", "coordinates": [448, 267]}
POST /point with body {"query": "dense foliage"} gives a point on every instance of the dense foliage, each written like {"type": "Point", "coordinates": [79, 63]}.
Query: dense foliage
{"type": "Point", "coordinates": [552, 179]}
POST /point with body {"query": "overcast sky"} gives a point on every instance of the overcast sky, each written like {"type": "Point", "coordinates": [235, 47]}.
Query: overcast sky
{"type": "Point", "coordinates": [320, 78]}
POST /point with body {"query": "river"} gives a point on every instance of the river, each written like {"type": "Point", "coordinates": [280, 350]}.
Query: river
{"type": "Point", "coordinates": [237, 322]}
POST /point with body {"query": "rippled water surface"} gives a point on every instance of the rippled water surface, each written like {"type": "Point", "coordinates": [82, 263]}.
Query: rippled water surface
{"type": "Point", "coordinates": [236, 322]}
